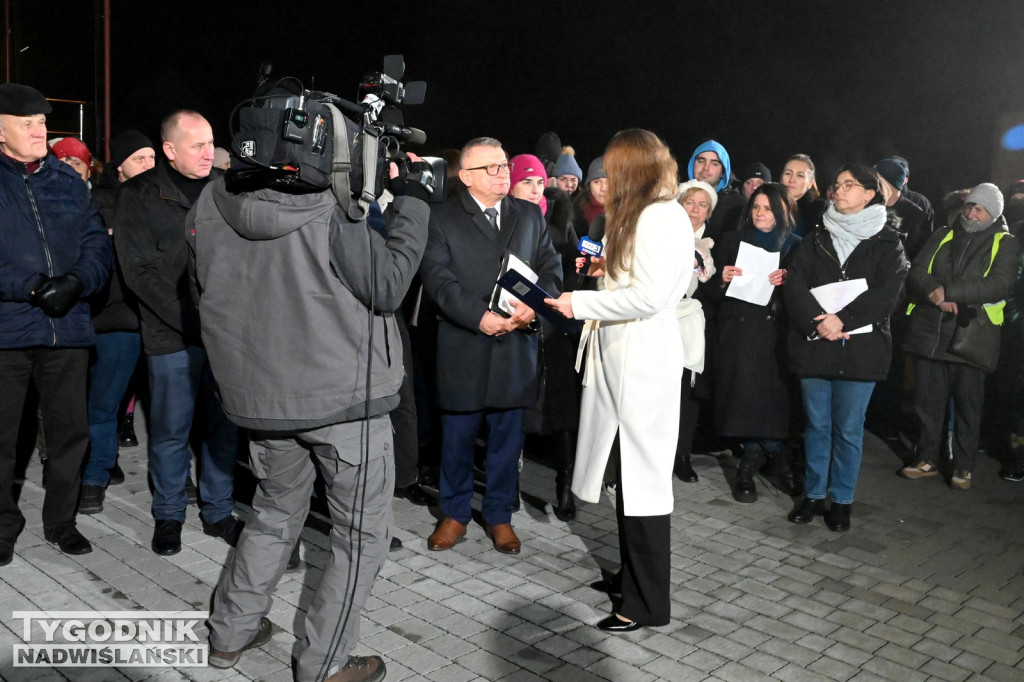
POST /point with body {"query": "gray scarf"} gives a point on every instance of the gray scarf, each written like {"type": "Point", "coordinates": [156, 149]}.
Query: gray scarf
{"type": "Point", "coordinates": [975, 226]}
{"type": "Point", "coordinates": [848, 230]}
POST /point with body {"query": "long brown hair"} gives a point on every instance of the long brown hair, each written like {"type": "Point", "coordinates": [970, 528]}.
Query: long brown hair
{"type": "Point", "coordinates": [641, 170]}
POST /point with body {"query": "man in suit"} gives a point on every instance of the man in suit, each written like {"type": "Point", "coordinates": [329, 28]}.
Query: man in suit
{"type": "Point", "coordinates": [487, 363]}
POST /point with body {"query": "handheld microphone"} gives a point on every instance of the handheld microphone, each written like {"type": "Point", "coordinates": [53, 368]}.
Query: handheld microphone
{"type": "Point", "coordinates": [589, 248]}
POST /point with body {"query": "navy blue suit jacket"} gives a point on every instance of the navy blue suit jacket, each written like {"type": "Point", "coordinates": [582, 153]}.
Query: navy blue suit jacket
{"type": "Point", "coordinates": [459, 269]}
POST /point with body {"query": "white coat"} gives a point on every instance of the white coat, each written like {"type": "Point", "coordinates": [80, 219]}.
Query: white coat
{"type": "Point", "coordinates": [635, 364]}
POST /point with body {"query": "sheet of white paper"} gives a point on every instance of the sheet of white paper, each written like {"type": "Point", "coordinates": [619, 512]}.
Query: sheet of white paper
{"type": "Point", "coordinates": [753, 285]}
{"type": "Point", "coordinates": [504, 298]}
{"type": "Point", "coordinates": [837, 295]}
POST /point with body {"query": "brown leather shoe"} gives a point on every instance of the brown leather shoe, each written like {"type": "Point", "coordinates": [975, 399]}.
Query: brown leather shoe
{"type": "Point", "coordinates": [446, 534]}
{"type": "Point", "coordinates": [505, 539]}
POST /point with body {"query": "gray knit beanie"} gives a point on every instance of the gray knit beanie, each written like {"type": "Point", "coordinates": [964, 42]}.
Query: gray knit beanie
{"type": "Point", "coordinates": [596, 170]}
{"type": "Point", "coordinates": [987, 196]}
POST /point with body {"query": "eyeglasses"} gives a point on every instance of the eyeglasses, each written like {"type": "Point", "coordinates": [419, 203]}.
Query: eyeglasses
{"type": "Point", "coordinates": [494, 168]}
{"type": "Point", "coordinates": [845, 186]}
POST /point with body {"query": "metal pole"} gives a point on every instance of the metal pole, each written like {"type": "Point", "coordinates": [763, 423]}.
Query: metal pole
{"type": "Point", "coordinates": [106, 79]}
{"type": "Point", "coordinates": [8, 38]}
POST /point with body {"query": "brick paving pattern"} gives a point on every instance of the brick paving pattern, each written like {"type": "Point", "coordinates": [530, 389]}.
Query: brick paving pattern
{"type": "Point", "coordinates": [927, 586]}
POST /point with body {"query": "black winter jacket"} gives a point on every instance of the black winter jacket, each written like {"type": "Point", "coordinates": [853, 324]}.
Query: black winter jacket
{"type": "Point", "coordinates": [865, 357]}
{"type": "Point", "coordinates": [112, 309]}
{"type": "Point", "coordinates": [149, 232]}
{"type": "Point", "coordinates": [959, 266]}
{"type": "Point", "coordinates": [49, 226]}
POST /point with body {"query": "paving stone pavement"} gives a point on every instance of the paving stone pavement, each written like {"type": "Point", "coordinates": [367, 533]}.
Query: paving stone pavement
{"type": "Point", "coordinates": [926, 586]}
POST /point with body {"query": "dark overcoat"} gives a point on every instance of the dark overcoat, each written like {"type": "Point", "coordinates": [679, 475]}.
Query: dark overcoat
{"type": "Point", "coordinates": [752, 378]}
{"type": "Point", "coordinates": [459, 269]}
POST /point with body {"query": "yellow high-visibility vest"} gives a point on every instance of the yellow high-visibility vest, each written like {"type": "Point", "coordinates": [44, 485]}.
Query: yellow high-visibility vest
{"type": "Point", "coordinates": [994, 310]}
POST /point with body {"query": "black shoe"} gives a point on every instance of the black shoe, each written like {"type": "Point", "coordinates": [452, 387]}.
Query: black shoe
{"type": "Point", "coordinates": [837, 518]}
{"type": "Point", "coordinates": [126, 437]}
{"type": "Point", "coordinates": [227, 529]}
{"type": "Point", "coordinates": [684, 471]}
{"type": "Point", "coordinates": [609, 587]}
{"type": "Point", "coordinates": [417, 495]}
{"type": "Point", "coordinates": [67, 538]}
{"type": "Point", "coordinates": [91, 501]}
{"type": "Point", "coordinates": [807, 510]}
{"type": "Point", "coordinates": [226, 659]}
{"type": "Point", "coordinates": [396, 544]}
{"type": "Point", "coordinates": [6, 552]}
{"type": "Point", "coordinates": [745, 490]}
{"type": "Point", "coordinates": [166, 537]}
{"type": "Point", "coordinates": [190, 491]}
{"type": "Point", "coordinates": [783, 473]}
{"type": "Point", "coordinates": [565, 503]}
{"type": "Point", "coordinates": [615, 624]}
{"type": "Point", "coordinates": [116, 475]}
{"type": "Point", "coordinates": [294, 561]}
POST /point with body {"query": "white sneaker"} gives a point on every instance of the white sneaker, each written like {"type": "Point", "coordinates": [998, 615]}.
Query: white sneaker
{"type": "Point", "coordinates": [920, 470]}
{"type": "Point", "coordinates": [961, 480]}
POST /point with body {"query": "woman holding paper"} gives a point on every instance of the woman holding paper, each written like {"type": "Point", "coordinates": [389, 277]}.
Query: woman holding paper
{"type": "Point", "coordinates": [840, 354]}
{"type": "Point", "coordinates": [752, 382]}
{"type": "Point", "coordinates": [635, 359]}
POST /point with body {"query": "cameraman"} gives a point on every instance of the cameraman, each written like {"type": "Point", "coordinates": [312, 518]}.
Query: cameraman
{"type": "Point", "coordinates": [296, 306]}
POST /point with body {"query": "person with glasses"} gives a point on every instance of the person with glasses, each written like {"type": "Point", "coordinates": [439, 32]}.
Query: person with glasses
{"type": "Point", "coordinates": [486, 361]}
{"type": "Point", "coordinates": [634, 365]}
{"type": "Point", "coordinates": [840, 355]}
{"type": "Point", "coordinates": [798, 175]}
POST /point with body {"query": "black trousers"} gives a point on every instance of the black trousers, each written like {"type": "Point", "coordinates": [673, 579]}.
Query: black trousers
{"type": "Point", "coordinates": [935, 383]}
{"type": "Point", "coordinates": [689, 409]}
{"type": "Point", "coordinates": [404, 419]}
{"type": "Point", "coordinates": [645, 555]}
{"type": "Point", "coordinates": [59, 375]}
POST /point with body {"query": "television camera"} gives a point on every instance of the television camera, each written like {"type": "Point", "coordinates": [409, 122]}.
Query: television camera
{"type": "Point", "coordinates": [292, 139]}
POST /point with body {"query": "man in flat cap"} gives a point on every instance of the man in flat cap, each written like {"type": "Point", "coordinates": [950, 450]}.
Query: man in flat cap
{"type": "Point", "coordinates": [54, 252]}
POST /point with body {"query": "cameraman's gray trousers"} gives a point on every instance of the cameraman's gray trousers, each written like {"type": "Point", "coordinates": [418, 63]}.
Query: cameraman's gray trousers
{"type": "Point", "coordinates": [359, 541]}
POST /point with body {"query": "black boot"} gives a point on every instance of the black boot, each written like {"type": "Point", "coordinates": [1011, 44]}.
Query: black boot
{"type": "Point", "coordinates": [126, 438]}
{"type": "Point", "coordinates": [745, 489]}
{"type": "Point", "coordinates": [807, 510]}
{"type": "Point", "coordinates": [684, 471]}
{"type": "Point", "coordinates": [565, 460]}
{"type": "Point", "coordinates": [837, 518]}
{"type": "Point", "coordinates": [783, 473]}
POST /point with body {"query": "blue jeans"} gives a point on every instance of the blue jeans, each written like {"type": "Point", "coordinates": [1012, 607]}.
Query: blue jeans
{"type": "Point", "coordinates": [834, 440]}
{"type": "Point", "coordinates": [116, 356]}
{"type": "Point", "coordinates": [176, 381]}
{"type": "Point", "coordinates": [504, 443]}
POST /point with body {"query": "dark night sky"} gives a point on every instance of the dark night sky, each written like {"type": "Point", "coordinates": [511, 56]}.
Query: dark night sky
{"type": "Point", "coordinates": [841, 80]}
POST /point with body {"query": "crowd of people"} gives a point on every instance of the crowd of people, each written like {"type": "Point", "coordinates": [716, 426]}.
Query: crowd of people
{"type": "Point", "coordinates": [726, 312]}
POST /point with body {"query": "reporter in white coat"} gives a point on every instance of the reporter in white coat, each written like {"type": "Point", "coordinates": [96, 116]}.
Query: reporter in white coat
{"type": "Point", "coordinates": [634, 365]}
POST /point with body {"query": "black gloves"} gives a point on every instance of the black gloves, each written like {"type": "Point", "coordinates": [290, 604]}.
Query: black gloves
{"type": "Point", "coordinates": [57, 295]}
{"type": "Point", "coordinates": [417, 180]}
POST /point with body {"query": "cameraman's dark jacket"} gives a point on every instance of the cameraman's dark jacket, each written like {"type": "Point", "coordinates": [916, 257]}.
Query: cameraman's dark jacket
{"type": "Point", "coordinates": [959, 266]}
{"type": "Point", "coordinates": [50, 228]}
{"type": "Point", "coordinates": [149, 233]}
{"type": "Point", "coordinates": [285, 283]}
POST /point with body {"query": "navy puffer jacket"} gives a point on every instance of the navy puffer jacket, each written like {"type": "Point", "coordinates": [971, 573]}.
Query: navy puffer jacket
{"type": "Point", "coordinates": [49, 226]}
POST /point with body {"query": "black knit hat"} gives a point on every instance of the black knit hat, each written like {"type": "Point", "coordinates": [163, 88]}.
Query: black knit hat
{"type": "Point", "coordinates": [894, 172]}
{"type": "Point", "coordinates": [21, 100]}
{"type": "Point", "coordinates": [756, 170]}
{"type": "Point", "coordinates": [125, 144]}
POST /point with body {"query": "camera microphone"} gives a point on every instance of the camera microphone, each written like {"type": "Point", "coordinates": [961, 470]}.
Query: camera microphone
{"type": "Point", "coordinates": [410, 135]}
